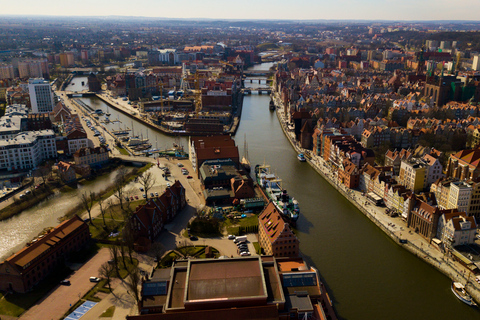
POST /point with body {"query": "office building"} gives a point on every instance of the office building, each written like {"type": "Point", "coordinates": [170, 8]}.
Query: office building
{"type": "Point", "coordinates": [41, 96]}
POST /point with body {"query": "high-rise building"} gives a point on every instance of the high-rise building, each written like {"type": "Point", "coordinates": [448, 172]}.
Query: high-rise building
{"type": "Point", "coordinates": [476, 63]}
{"type": "Point", "coordinates": [41, 95]}
{"type": "Point", "coordinates": [30, 69]}
{"type": "Point", "coordinates": [6, 72]}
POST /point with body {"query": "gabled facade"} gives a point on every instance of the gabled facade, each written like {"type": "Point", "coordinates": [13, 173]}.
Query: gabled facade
{"type": "Point", "coordinates": [275, 235]}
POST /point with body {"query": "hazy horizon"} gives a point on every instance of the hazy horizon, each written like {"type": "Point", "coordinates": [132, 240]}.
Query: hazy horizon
{"type": "Point", "coordinates": [365, 10]}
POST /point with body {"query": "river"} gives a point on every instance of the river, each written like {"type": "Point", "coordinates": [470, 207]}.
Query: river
{"type": "Point", "coordinates": [367, 274]}
{"type": "Point", "coordinates": [22, 228]}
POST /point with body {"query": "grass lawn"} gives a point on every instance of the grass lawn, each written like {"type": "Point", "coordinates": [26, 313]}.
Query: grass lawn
{"type": "Point", "coordinates": [17, 303]}
{"type": "Point", "coordinates": [167, 260]}
{"type": "Point", "coordinates": [257, 247]}
{"type": "Point", "coordinates": [122, 151]}
{"type": "Point", "coordinates": [231, 225]}
{"type": "Point", "coordinates": [108, 313]}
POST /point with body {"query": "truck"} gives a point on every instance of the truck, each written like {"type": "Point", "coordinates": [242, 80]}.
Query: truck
{"type": "Point", "coordinates": [239, 239]}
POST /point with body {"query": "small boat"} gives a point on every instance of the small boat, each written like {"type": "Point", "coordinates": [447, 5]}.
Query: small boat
{"type": "Point", "coordinates": [272, 105]}
{"type": "Point", "coordinates": [459, 290]}
{"type": "Point", "coordinates": [301, 157]}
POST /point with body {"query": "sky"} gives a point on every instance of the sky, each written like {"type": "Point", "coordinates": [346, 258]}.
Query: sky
{"type": "Point", "coordinates": [255, 9]}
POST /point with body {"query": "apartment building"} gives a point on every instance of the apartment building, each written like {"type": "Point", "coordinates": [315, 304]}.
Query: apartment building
{"type": "Point", "coordinates": [41, 95]}
{"type": "Point", "coordinates": [27, 150]}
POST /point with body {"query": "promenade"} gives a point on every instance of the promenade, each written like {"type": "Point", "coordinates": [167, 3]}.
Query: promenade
{"type": "Point", "coordinates": [394, 227]}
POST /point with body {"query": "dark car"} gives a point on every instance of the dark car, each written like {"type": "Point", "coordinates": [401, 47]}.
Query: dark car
{"type": "Point", "coordinates": [193, 238]}
{"type": "Point", "coordinates": [65, 282]}
{"type": "Point", "coordinates": [189, 177]}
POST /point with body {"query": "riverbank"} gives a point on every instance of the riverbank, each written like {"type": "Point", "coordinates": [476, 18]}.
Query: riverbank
{"type": "Point", "coordinates": [135, 114]}
{"type": "Point", "coordinates": [395, 228]}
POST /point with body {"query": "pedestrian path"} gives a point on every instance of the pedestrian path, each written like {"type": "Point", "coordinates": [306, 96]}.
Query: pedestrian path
{"type": "Point", "coordinates": [80, 311]}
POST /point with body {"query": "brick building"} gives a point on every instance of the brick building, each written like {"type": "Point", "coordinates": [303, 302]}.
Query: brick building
{"type": "Point", "coordinates": [24, 269]}
{"type": "Point", "coordinates": [149, 219]}
{"type": "Point", "coordinates": [275, 235]}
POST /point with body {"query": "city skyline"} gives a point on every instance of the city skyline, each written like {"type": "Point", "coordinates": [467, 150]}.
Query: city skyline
{"type": "Point", "coordinates": [407, 10]}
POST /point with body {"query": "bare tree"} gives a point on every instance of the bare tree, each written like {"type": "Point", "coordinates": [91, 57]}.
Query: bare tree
{"type": "Point", "coordinates": [87, 202]}
{"type": "Point", "coordinates": [44, 173]}
{"type": "Point", "coordinates": [105, 271]}
{"type": "Point", "coordinates": [123, 253]}
{"type": "Point", "coordinates": [129, 238]}
{"type": "Point", "coordinates": [147, 180]}
{"type": "Point", "coordinates": [133, 283]}
{"type": "Point", "coordinates": [158, 250]}
{"type": "Point", "coordinates": [103, 209]}
{"type": "Point", "coordinates": [120, 181]}
{"type": "Point", "coordinates": [114, 254]}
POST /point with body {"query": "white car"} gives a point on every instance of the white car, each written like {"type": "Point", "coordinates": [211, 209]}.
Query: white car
{"type": "Point", "coordinates": [244, 254]}
{"type": "Point", "coordinates": [231, 237]}
{"type": "Point", "coordinates": [94, 279]}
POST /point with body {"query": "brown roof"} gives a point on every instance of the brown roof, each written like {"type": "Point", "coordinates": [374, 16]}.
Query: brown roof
{"type": "Point", "coordinates": [35, 249]}
{"type": "Point", "coordinates": [272, 222]}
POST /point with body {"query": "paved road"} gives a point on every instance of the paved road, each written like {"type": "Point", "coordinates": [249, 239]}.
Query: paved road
{"type": "Point", "coordinates": [57, 303]}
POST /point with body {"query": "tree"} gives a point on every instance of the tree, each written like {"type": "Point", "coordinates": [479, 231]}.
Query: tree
{"type": "Point", "coordinates": [119, 188]}
{"type": "Point", "coordinates": [105, 271]}
{"type": "Point", "coordinates": [44, 173]}
{"type": "Point", "coordinates": [158, 250]}
{"type": "Point", "coordinates": [129, 238]}
{"type": "Point", "coordinates": [133, 283]}
{"type": "Point", "coordinates": [147, 180]}
{"type": "Point", "coordinates": [103, 208]}
{"type": "Point", "coordinates": [87, 202]}
{"type": "Point", "coordinates": [114, 255]}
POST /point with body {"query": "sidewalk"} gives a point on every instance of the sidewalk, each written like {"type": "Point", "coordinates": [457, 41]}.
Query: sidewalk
{"type": "Point", "coordinates": [396, 228]}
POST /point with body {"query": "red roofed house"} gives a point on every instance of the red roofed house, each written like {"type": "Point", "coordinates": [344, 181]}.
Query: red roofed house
{"type": "Point", "coordinates": [149, 219]}
{"type": "Point", "coordinates": [24, 269]}
{"type": "Point", "coordinates": [456, 228]}
{"type": "Point", "coordinates": [66, 171]}
{"type": "Point", "coordinates": [464, 164]}
{"type": "Point", "coordinates": [275, 236]}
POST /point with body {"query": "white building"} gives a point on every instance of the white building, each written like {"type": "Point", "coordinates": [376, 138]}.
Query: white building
{"type": "Point", "coordinates": [27, 150]}
{"type": "Point", "coordinates": [435, 169]}
{"type": "Point", "coordinates": [14, 121]}
{"type": "Point", "coordinates": [455, 228]}
{"type": "Point", "coordinates": [41, 95]}
{"type": "Point", "coordinates": [459, 196]}
{"type": "Point", "coordinates": [476, 63]}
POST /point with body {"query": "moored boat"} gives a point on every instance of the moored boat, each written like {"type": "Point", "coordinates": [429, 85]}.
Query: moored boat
{"type": "Point", "coordinates": [272, 105]}
{"type": "Point", "coordinates": [271, 186]}
{"type": "Point", "coordinates": [459, 290]}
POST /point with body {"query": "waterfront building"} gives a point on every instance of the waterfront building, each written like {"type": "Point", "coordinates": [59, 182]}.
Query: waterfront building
{"type": "Point", "coordinates": [91, 156]}
{"type": "Point", "coordinates": [455, 228]}
{"type": "Point", "coordinates": [41, 256]}
{"type": "Point", "coordinates": [275, 235]}
{"type": "Point", "coordinates": [474, 204]}
{"type": "Point", "coordinates": [464, 164]}
{"type": "Point", "coordinates": [368, 175]}
{"type": "Point", "coordinates": [349, 174]}
{"type": "Point", "coordinates": [27, 150]}
{"type": "Point", "coordinates": [217, 147]}
{"type": "Point", "coordinates": [41, 95]}
{"type": "Point", "coordinates": [149, 219]}
{"type": "Point", "coordinates": [395, 197]}
{"type": "Point", "coordinates": [423, 218]}
{"type": "Point", "coordinates": [66, 172]}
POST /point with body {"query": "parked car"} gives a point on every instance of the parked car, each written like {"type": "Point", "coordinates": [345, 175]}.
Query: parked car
{"type": "Point", "coordinates": [193, 238]}
{"type": "Point", "coordinates": [136, 197]}
{"type": "Point", "coordinates": [94, 279]}
{"type": "Point", "coordinates": [168, 184]}
{"type": "Point", "coordinates": [131, 198]}
{"type": "Point", "coordinates": [179, 164]}
{"type": "Point", "coordinates": [231, 237]}
{"type": "Point", "coordinates": [189, 177]}
{"type": "Point", "coordinates": [243, 254]}
{"type": "Point", "coordinates": [144, 196]}
{"type": "Point", "coordinates": [65, 282]}
{"type": "Point", "coordinates": [141, 189]}
{"type": "Point", "coordinates": [151, 194]}
{"type": "Point", "coordinates": [156, 194]}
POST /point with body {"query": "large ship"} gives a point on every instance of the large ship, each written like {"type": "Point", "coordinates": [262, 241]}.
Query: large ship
{"type": "Point", "coordinates": [271, 185]}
